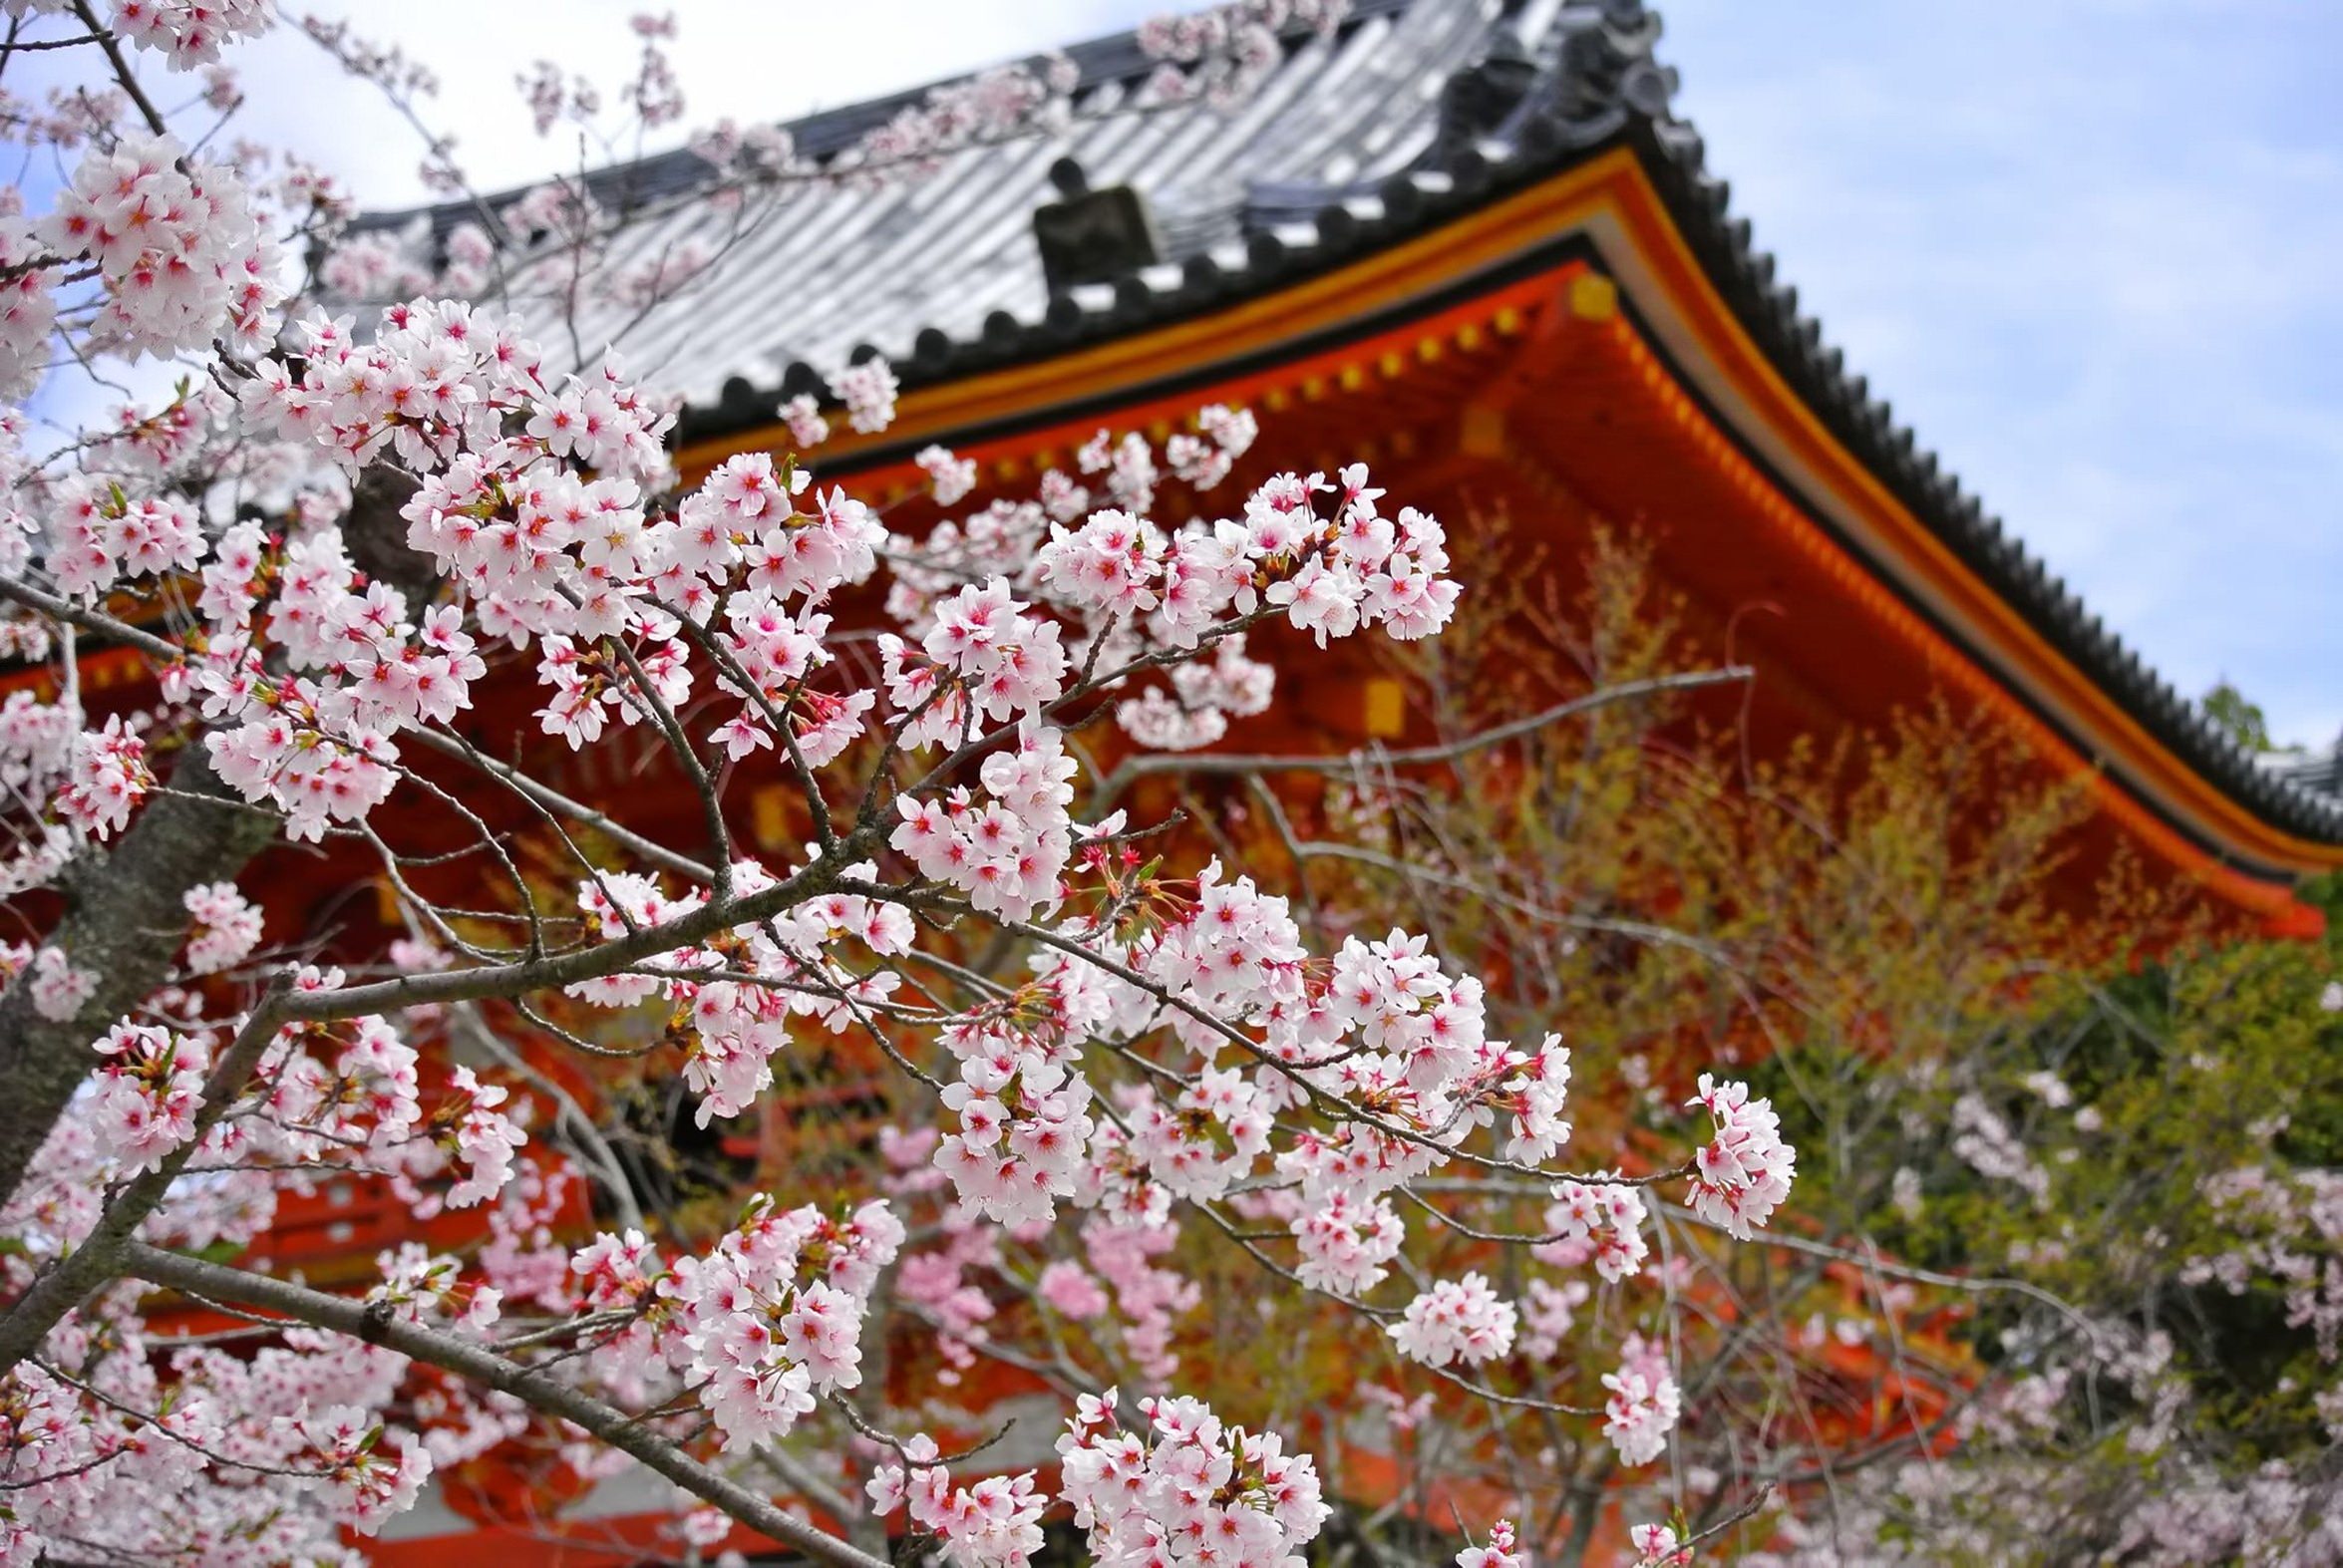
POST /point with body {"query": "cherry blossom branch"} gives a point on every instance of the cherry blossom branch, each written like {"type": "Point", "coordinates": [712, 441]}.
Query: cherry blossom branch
{"type": "Point", "coordinates": [646, 696]}
{"type": "Point", "coordinates": [1331, 1106]}
{"type": "Point", "coordinates": [26, 46]}
{"type": "Point", "coordinates": [1748, 1510]}
{"type": "Point", "coordinates": [976, 740]}
{"type": "Point", "coordinates": [530, 1385]}
{"type": "Point", "coordinates": [1150, 762]}
{"type": "Point", "coordinates": [526, 976]}
{"type": "Point", "coordinates": [451, 744]}
{"type": "Point", "coordinates": [818, 808]}
{"type": "Point", "coordinates": [1522, 1401]}
{"type": "Point", "coordinates": [104, 37]}
{"type": "Point", "coordinates": [150, 1418]}
{"type": "Point", "coordinates": [806, 1481]}
{"type": "Point", "coordinates": [66, 610]}
{"type": "Point", "coordinates": [1304, 849]}
{"type": "Point", "coordinates": [28, 1482]}
{"type": "Point", "coordinates": [1869, 1260]}
{"type": "Point", "coordinates": [570, 1117]}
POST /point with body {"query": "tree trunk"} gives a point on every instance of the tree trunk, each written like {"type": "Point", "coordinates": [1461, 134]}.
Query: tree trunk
{"type": "Point", "coordinates": [123, 922]}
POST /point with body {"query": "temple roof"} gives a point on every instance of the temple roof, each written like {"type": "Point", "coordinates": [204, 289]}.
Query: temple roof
{"type": "Point", "coordinates": [1415, 113]}
{"type": "Point", "coordinates": [2318, 771]}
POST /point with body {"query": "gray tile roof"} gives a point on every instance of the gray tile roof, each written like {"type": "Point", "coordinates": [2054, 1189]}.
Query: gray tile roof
{"type": "Point", "coordinates": [832, 267]}
{"type": "Point", "coordinates": [1344, 149]}
{"type": "Point", "coordinates": [2319, 771]}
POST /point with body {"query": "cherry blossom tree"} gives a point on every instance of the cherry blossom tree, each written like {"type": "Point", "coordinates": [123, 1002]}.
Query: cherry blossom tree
{"type": "Point", "coordinates": [345, 546]}
{"type": "Point", "coordinates": [2027, 1308]}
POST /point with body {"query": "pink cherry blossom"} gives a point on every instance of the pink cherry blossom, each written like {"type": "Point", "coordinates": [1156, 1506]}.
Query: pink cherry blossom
{"type": "Point", "coordinates": [1745, 1171]}
{"type": "Point", "coordinates": [1097, 1056]}
{"type": "Point", "coordinates": [1500, 1552]}
{"type": "Point", "coordinates": [59, 989]}
{"type": "Point", "coordinates": [1657, 1546]}
{"type": "Point", "coordinates": [1456, 1319]}
{"type": "Point", "coordinates": [1640, 1415]}
{"type": "Point", "coordinates": [227, 927]}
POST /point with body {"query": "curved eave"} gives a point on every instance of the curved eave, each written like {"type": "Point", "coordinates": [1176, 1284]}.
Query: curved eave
{"type": "Point", "coordinates": [1688, 297]}
{"type": "Point", "coordinates": [2040, 653]}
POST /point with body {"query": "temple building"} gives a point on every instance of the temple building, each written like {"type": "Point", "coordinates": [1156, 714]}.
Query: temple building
{"type": "Point", "coordinates": [1469, 242]}
{"type": "Point", "coordinates": [2318, 771]}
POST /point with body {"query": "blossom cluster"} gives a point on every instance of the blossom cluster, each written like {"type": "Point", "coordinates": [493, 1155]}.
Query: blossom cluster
{"type": "Point", "coordinates": [1603, 1222]}
{"type": "Point", "coordinates": [1204, 697]}
{"type": "Point", "coordinates": [56, 987]}
{"type": "Point", "coordinates": [477, 1138]}
{"type": "Point", "coordinates": [756, 1327]}
{"type": "Point", "coordinates": [149, 1088]}
{"type": "Point", "coordinates": [1007, 102]}
{"type": "Point", "coordinates": [1658, 1546]}
{"type": "Point", "coordinates": [1456, 1319]}
{"type": "Point", "coordinates": [1129, 586]}
{"type": "Point", "coordinates": [107, 777]}
{"type": "Point", "coordinates": [1186, 1488]}
{"type": "Point", "coordinates": [1329, 576]}
{"type": "Point", "coordinates": [227, 927]}
{"type": "Point", "coordinates": [762, 1341]}
{"type": "Point", "coordinates": [1645, 1404]}
{"type": "Point", "coordinates": [1206, 1138]}
{"type": "Point", "coordinates": [994, 1524]}
{"type": "Point", "coordinates": [1986, 1141]}
{"type": "Point", "coordinates": [1226, 50]}
{"type": "Point", "coordinates": [295, 1420]}
{"type": "Point", "coordinates": [180, 253]}
{"type": "Point", "coordinates": [787, 968]}
{"type": "Point", "coordinates": [1502, 1550]}
{"type": "Point", "coordinates": [1744, 1171]}
{"type": "Point", "coordinates": [1346, 1243]}
{"type": "Point", "coordinates": [188, 32]}
{"type": "Point", "coordinates": [1008, 851]}
{"type": "Point", "coordinates": [353, 1094]}
{"type": "Point", "coordinates": [1024, 1125]}
{"type": "Point", "coordinates": [985, 656]}
{"type": "Point", "coordinates": [28, 308]}
{"type": "Point", "coordinates": [1549, 1312]}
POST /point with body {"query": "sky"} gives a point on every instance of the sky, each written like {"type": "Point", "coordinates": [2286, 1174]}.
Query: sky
{"type": "Point", "coordinates": [2092, 251]}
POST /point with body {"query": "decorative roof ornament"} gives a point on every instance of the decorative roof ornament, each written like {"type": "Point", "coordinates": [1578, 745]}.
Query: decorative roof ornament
{"type": "Point", "coordinates": [1600, 71]}
{"type": "Point", "coordinates": [1093, 236]}
{"type": "Point", "coordinates": [1483, 99]}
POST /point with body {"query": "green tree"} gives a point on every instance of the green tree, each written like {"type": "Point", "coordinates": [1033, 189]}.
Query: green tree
{"type": "Point", "coordinates": [2244, 721]}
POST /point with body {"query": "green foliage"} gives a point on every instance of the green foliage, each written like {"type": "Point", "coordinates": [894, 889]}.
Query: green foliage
{"type": "Point", "coordinates": [2244, 722]}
